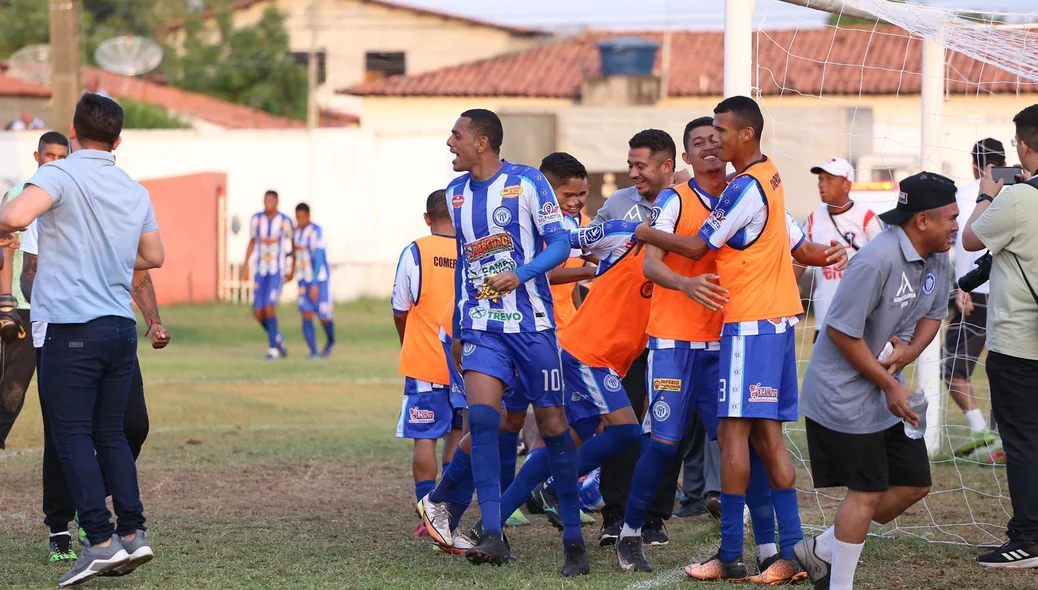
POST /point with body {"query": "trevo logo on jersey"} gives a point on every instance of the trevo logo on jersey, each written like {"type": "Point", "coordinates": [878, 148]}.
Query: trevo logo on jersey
{"type": "Point", "coordinates": [488, 246]}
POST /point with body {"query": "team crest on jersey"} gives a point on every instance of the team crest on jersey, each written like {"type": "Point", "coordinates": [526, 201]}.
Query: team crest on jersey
{"type": "Point", "coordinates": [666, 384]}
{"type": "Point", "coordinates": [716, 218]}
{"type": "Point", "coordinates": [511, 192]}
{"type": "Point", "coordinates": [458, 200]}
{"type": "Point", "coordinates": [420, 416]}
{"type": "Point", "coordinates": [762, 394]}
{"type": "Point", "coordinates": [611, 382]}
{"type": "Point", "coordinates": [549, 213]}
{"type": "Point", "coordinates": [646, 289]}
{"type": "Point", "coordinates": [661, 410]}
{"type": "Point", "coordinates": [589, 235]}
{"type": "Point", "coordinates": [489, 246]}
{"type": "Point", "coordinates": [468, 348]}
{"type": "Point", "coordinates": [654, 214]}
{"type": "Point", "coordinates": [929, 283]}
{"type": "Point", "coordinates": [502, 215]}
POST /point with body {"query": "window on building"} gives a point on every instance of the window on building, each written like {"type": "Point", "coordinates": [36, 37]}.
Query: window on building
{"type": "Point", "coordinates": [380, 65]}
{"type": "Point", "coordinates": [302, 57]}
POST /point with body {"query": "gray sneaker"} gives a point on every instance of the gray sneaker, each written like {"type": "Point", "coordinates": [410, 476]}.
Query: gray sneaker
{"type": "Point", "coordinates": [816, 567]}
{"type": "Point", "coordinates": [139, 551]}
{"type": "Point", "coordinates": [94, 561]}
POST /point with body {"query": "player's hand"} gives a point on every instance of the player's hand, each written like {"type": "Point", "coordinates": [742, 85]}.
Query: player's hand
{"type": "Point", "coordinates": [897, 403]}
{"type": "Point", "coordinates": [159, 336]}
{"type": "Point", "coordinates": [313, 293]}
{"type": "Point", "coordinates": [10, 241]}
{"type": "Point", "coordinates": [988, 185]}
{"type": "Point", "coordinates": [836, 256]}
{"type": "Point", "coordinates": [898, 359]}
{"type": "Point", "coordinates": [504, 282]}
{"type": "Point", "coordinates": [1024, 175]}
{"type": "Point", "coordinates": [640, 232]}
{"type": "Point", "coordinates": [964, 301]}
{"type": "Point", "coordinates": [291, 274]}
{"type": "Point", "coordinates": [244, 274]}
{"type": "Point", "coordinates": [704, 292]}
{"type": "Point", "coordinates": [456, 350]}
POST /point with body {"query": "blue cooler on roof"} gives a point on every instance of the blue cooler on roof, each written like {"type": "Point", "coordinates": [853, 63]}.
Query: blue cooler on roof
{"type": "Point", "coordinates": [628, 56]}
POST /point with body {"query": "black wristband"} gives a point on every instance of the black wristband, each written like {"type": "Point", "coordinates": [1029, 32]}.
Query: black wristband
{"type": "Point", "coordinates": [982, 197]}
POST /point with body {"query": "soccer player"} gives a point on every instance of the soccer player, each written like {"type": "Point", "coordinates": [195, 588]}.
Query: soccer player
{"type": "Point", "coordinates": [315, 280]}
{"type": "Point", "coordinates": [568, 178]}
{"type": "Point", "coordinates": [895, 291]}
{"type": "Point", "coordinates": [510, 233]}
{"type": "Point", "coordinates": [424, 285]}
{"type": "Point", "coordinates": [269, 231]}
{"type": "Point", "coordinates": [837, 218]}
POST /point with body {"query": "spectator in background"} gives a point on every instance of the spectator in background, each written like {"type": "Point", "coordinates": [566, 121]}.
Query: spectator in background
{"type": "Point", "coordinates": [1006, 223]}
{"type": "Point", "coordinates": [26, 122]}
{"type": "Point", "coordinates": [964, 340]}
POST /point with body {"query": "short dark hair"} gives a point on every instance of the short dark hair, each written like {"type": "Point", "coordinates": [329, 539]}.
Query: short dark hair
{"type": "Point", "coordinates": [52, 138]}
{"type": "Point", "coordinates": [272, 192]}
{"type": "Point", "coordinates": [656, 140]}
{"type": "Point", "coordinates": [1026, 122]}
{"type": "Point", "coordinates": [97, 119]}
{"type": "Point", "coordinates": [436, 205]}
{"type": "Point", "coordinates": [988, 151]}
{"type": "Point", "coordinates": [562, 167]}
{"type": "Point", "coordinates": [695, 124]}
{"type": "Point", "coordinates": [746, 111]}
{"type": "Point", "coordinates": [486, 124]}
{"type": "Point", "coordinates": [303, 207]}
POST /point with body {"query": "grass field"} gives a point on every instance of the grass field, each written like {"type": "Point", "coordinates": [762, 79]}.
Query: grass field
{"type": "Point", "coordinates": [287, 475]}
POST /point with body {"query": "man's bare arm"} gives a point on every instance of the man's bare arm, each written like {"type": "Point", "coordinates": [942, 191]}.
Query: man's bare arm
{"type": "Point", "coordinates": [143, 292]}
{"type": "Point", "coordinates": [28, 275]}
{"type": "Point", "coordinates": [400, 321]}
{"type": "Point", "coordinates": [693, 247]}
{"type": "Point", "coordinates": [562, 276]}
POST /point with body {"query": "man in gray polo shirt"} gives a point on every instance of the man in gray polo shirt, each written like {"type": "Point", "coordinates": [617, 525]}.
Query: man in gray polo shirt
{"type": "Point", "coordinates": [895, 290]}
{"type": "Point", "coordinates": [96, 227]}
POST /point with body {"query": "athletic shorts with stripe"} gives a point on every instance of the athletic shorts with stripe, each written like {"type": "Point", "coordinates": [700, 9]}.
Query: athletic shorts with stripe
{"type": "Point", "coordinates": [590, 393]}
{"type": "Point", "coordinates": [322, 306]}
{"type": "Point", "coordinates": [758, 371]}
{"type": "Point", "coordinates": [266, 290]}
{"type": "Point", "coordinates": [529, 359]}
{"type": "Point", "coordinates": [426, 411]}
{"type": "Point", "coordinates": [681, 380]}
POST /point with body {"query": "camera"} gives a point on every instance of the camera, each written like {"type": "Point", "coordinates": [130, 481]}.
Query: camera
{"type": "Point", "coordinates": [977, 276]}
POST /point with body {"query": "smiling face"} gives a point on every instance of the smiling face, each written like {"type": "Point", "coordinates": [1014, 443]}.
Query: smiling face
{"type": "Point", "coordinates": [938, 227]}
{"type": "Point", "coordinates": [650, 174]}
{"type": "Point", "coordinates": [572, 195]}
{"type": "Point", "coordinates": [703, 151]}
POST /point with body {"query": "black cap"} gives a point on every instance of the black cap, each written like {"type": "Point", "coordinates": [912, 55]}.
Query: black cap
{"type": "Point", "coordinates": [988, 151]}
{"type": "Point", "coordinates": [920, 192]}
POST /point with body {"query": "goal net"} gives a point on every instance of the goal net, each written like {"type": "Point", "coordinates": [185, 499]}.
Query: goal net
{"type": "Point", "coordinates": [854, 89]}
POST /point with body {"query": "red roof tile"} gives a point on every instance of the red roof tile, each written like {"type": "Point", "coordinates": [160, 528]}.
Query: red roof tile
{"type": "Point", "coordinates": [244, 4]}
{"type": "Point", "coordinates": [829, 61]}
{"type": "Point", "coordinates": [11, 86]}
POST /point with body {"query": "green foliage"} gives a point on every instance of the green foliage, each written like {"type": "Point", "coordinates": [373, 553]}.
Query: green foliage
{"type": "Point", "coordinates": [140, 115]}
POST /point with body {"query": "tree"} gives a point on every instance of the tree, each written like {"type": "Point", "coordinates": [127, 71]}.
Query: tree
{"type": "Point", "coordinates": [141, 115]}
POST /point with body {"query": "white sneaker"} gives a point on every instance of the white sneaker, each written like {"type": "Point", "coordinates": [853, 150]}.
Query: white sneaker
{"type": "Point", "coordinates": [437, 518]}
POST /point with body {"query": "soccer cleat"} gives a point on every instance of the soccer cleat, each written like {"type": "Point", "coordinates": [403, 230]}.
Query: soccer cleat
{"type": "Point", "coordinates": [517, 519]}
{"type": "Point", "coordinates": [817, 568]}
{"type": "Point", "coordinates": [775, 570]}
{"type": "Point", "coordinates": [586, 519]}
{"type": "Point", "coordinates": [975, 441]}
{"type": "Point", "coordinates": [273, 354]}
{"type": "Point", "coordinates": [612, 524]}
{"type": "Point", "coordinates": [996, 458]}
{"type": "Point", "coordinates": [534, 504]}
{"type": "Point", "coordinates": [1014, 554]}
{"type": "Point", "coordinates": [551, 507]}
{"type": "Point", "coordinates": [140, 553]}
{"type": "Point", "coordinates": [490, 549]}
{"type": "Point", "coordinates": [576, 563]}
{"type": "Point", "coordinates": [630, 552]}
{"type": "Point", "coordinates": [314, 357]}
{"type": "Point", "coordinates": [590, 494]}
{"type": "Point", "coordinates": [715, 569]}
{"type": "Point", "coordinates": [327, 351]}
{"type": "Point", "coordinates": [712, 502]}
{"type": "Point", "coordinates": [421, 530]}
{"type": "Point", "coordinates": [61, 548]}
{"type": "Point", "coordinates": [654, 534]}
{"type": "Point", "coordinates": [94, 561]}
{"type": "Point", "coordinates": [461, 544]}
{"type": "Point", "coordinates": [437, 519]}
{"type": "Point", "coordinates": [282, 349]}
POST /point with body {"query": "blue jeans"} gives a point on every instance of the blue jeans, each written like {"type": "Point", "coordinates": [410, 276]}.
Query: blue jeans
{"type": "Point", "coordinates": [84, 379]}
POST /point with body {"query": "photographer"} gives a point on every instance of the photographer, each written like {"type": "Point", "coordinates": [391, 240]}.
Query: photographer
{"type": "Point", "coordinates": [1008, 227]}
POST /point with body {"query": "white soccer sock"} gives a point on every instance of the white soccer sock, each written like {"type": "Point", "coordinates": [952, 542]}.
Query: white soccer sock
{"type": "Point", "coordinates": [845, 561]}
{"type": "Point", "coordinates": [627, 531]}
{"type": "Point", "coordinates": [824, 544]}
{"type": "Point", "coordinates": [976, 421]}
{"type": "Point", "coordinates": [766, 550]}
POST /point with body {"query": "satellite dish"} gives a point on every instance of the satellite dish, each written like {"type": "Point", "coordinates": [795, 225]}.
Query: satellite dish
{"type": "Point", "coordinates": [128, 55]}
{"type": "Point", "coordinates": [32, 63]}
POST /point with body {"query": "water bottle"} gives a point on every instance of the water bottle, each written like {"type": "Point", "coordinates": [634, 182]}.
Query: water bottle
{"type": "Point", "coordinates": [918, 404]}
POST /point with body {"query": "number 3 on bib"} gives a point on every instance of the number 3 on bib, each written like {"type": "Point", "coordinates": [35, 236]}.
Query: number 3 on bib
{"type": "Point", "coordinates": [552, 380]}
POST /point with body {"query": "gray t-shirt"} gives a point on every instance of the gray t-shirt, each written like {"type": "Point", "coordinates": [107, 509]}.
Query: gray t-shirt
{"type": "Point", "coordinates": [88, 239]}
{"type": "Point", "coordinates": [624, 204]}
{"type": "Point", "coordinates": [886, 289]}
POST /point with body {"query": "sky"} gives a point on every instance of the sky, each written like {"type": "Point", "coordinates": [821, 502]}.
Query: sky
{"type": "Point", "coordinates": [651, 14]}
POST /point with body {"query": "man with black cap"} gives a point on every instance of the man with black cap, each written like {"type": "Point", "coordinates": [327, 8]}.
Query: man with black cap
{"type": "Point", "coordinates": [895, 290]}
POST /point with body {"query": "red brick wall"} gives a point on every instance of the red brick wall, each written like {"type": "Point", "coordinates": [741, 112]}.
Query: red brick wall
{"type": "Point", "coordinates": [189, 210]}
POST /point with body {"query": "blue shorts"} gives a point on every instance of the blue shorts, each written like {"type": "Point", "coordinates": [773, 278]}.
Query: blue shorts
{"type": "Point", "coordinates": [322, 306]}
{"type": "Point", "coordinates": [457, 395]}
{"type": "Point", "coordinates": [426, 411]}
{"type": "Point", "coordinates": [591, 391]}
{"type": "Point", "coordinates": [758, 376]}
{"type": "Point", "coordinates": [680, 381]}
{"type": "Point", "coordinates": [266, 290]}
{"type": "Point", "coordinates": [530, 359]}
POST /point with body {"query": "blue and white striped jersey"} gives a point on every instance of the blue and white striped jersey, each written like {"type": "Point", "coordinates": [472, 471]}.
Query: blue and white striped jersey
{"type": "Point", "coordinates": [273, 239]}
{"type": "Point", "coordinates": [501, 224]}
{"type": "Point", "coordinates": [610, 241]}
{"type": "Point", "coordinates": [311, 259]}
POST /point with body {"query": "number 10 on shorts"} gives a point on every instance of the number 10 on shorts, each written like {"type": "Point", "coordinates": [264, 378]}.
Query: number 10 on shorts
{"type": "Point", "coordinates": [552, 380]}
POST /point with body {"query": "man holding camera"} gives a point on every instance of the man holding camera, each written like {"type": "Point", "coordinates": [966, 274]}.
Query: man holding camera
{"type": "Point", "coordinates": [1006, 223]}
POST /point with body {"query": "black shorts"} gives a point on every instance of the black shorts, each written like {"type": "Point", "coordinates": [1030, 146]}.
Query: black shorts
{"type": "Point", "coordinates": [867, 462]}
{"type": "Point", "coordinates": [964, 340]}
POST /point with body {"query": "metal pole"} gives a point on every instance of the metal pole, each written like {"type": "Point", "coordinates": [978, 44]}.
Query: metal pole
{"type": "Point", "coordinates": [64, 59]}
{"type": "Point", "coordinates": [738, 47]}
{"type": "Point", "coordinates": [311, 70]}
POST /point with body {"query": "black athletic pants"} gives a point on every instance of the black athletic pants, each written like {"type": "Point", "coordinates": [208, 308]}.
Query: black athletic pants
{"type": "Point", "coordinates": [1014, 401]}
{"type": "Point", "coordinates": [58, 507]}
{"type": "Point", "coordinates": [17, 364]}
{"type": "Point", "coordinates": [615, 478]}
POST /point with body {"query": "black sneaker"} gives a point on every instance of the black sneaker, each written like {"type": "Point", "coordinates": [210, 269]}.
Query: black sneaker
{"type": "Point", "coordinates": [576, 561]}
{"type": "Point", "coordinates": [630, 552]}
{"type": "Point", "coordinates": [1014, 554]}
{"type": "Point", "coordinates": [612, 524]}
{"type": "Point", "coordinates": [490, 549]}
{"type": "Point", "coordinates": [534, 505]}
{"type": "Point", "coordinates": [654, 534]}
{"type": "Point", "coordinates": [691, 509]}
{"type": "Point", "coordinates": [61, 548]}
{"type": "Point", "coordinates": [712, 502]}
{"type": "Point", "coordinates": [550, 501]}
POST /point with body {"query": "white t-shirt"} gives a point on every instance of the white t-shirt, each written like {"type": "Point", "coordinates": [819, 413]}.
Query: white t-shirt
{"type": "Point", "coordinates": [966, 197]}
{"type": "Point", "coordinates": [31, 245]}
{"type": "Point", "coordinates": [855, 227]}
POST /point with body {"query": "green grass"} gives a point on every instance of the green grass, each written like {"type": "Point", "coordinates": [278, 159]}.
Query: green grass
{"type": "Point", "coordinates": [286, 474]}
